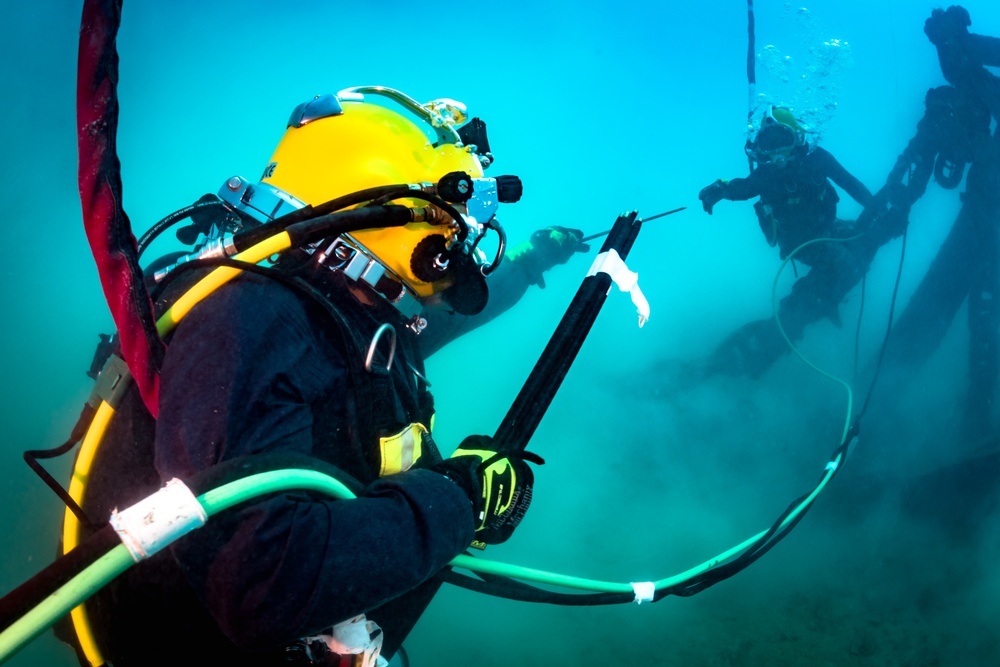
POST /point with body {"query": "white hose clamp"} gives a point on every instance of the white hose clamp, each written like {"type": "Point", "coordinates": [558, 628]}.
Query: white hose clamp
{"type": "Point", "coordinates": [157, 520]}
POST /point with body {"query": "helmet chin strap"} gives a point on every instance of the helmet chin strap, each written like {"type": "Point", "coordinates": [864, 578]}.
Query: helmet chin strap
{"type": "Point", "coordinates": [345, 255]}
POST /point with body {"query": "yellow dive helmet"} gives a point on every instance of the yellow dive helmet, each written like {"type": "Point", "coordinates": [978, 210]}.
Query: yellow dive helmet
{"type": "Point", "coordinates": [336, 145]}
{"type": "Point", "coordinates": [779, 135]}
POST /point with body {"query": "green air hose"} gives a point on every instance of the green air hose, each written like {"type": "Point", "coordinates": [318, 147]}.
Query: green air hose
{"type": "Point", "coordinates": [791, 345]}
{"type": "Point", "coordinates": [60, 603]}
{"type": "Point", "coordinates": [118, 559]}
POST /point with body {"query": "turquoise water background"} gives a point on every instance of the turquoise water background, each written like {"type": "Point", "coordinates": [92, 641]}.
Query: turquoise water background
{"type": "Point", "coordinates": [600, 108]}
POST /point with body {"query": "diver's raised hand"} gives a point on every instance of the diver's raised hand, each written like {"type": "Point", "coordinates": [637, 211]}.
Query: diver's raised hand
{"type": "Point", "coordinates": [710, 195]}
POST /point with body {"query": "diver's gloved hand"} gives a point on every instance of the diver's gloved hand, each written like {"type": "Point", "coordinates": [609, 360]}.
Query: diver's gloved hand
{"type": "Point", "coordinates": [886, 216]}
{"type": "Point", "coordinates": [945, 26]}
{"type": "Point", "coordinates": [498, 483]}
{"type": "Point", "coordinates": [710, 195]}
{"type": "Point", "coordinates": [544, 249]}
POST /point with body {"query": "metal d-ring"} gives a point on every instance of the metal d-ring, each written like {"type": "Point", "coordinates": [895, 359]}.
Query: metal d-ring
{"type": "Point", "coordinates": [374, 344]}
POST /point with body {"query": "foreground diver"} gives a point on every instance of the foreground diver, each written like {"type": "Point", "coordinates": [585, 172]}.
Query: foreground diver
{"type": "Point", "coordinates": [797, 204]}
{"type": "Point", "coordinates": [954, 132]}
{"type": "Point", "coordinates": [319, 364]}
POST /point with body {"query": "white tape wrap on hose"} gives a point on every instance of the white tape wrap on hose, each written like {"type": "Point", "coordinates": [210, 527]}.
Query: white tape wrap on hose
{"type": "Point", "coordinates": [644, 591]}
{"type": "Point", "coordinates": [628, 281]}
{"type": "Point", "coordinates": [157, 520]}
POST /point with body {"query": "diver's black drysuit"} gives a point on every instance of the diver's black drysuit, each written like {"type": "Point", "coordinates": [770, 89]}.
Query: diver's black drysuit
{"type": "Point", "coordinates": [797, 204]}
{"type": "Point", "coordinates": [955, 132]}
{"type": "Point", "coordinates": [265, 376]}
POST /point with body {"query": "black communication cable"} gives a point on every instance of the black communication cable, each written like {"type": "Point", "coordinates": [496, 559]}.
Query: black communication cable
{"type": "Point", "coordinates": [751, 71]}
{"type": "Point", "coordinates": [751, 56]}
{"type": "Point", "coordinates": [163, 225]}
{"type": "Point", "coordinates": [31, 457]}
{"type": "Point", "coordinates": [888, 330]}
{"type": "Point", "coordinates": [857, 329]}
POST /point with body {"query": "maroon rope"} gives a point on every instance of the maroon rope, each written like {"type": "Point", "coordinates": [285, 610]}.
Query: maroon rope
{"type": "Point", "coordinates": [108, 230]}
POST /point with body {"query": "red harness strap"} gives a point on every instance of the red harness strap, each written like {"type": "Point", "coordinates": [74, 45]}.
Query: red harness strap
{"type": "Point", "coordinates": [108, 229]}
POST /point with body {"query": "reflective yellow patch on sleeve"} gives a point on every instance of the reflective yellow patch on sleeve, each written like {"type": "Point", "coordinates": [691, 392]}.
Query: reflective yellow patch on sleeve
{"type": "Point", "coordinates": [401, 450]}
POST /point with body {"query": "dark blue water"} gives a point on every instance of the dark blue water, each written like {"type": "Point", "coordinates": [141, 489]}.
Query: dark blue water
{"type": "Point", "coordinates": [600, 108]}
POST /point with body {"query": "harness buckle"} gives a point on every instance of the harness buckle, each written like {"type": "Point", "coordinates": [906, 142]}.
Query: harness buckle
{"type": "Point", "coordinates": [112, 383]}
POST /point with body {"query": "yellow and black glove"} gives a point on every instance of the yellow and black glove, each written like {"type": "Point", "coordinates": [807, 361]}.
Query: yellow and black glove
{"type": "Point", "coordinates": [545, 249]}
{"type": "Point", "coordinates": [498, 483]}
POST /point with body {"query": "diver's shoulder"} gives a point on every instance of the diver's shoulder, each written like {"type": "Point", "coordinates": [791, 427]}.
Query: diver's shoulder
{"type": "Point", "coordinates": [251, 303]}
{"type": "Point", "coordinates": [819, 154]}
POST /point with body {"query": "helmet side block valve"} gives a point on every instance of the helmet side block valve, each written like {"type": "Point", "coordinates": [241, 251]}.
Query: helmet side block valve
{"type": "Point", "coordinates": [486, 196]}
{"type": "Point", "coordinates": [455, 187]}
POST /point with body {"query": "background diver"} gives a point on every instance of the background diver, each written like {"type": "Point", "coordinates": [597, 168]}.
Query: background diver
{"type": "Point", "coordinates": [797, 204]}
{"type": "Point", "coordinates": [270, 371]}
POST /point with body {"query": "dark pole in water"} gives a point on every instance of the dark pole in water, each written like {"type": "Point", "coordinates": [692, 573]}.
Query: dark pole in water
{"type": "Point", "coordinates": [540, 388]}
{"type": "Point", "coordinates": [652, 217]}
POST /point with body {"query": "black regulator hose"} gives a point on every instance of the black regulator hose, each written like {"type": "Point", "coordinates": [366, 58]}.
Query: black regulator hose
{"type": "Point", "coordinates": [375, 197]}
{"type": "Point", "coordinates": [447, 207]}
{"type": "Point", "coordinates": [306, 232]}
{"type": "Point", "coordinates": [344, 222]}
{"type": "Point", "coordinates": [251, 237]}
